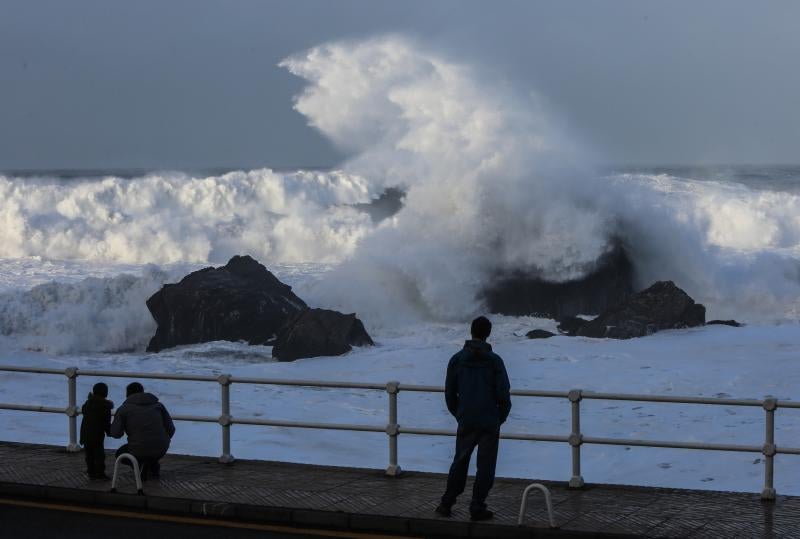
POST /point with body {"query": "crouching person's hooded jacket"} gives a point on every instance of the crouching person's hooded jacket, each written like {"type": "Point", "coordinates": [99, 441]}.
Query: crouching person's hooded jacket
{"type": "Point", "coordinates": [147, 423]}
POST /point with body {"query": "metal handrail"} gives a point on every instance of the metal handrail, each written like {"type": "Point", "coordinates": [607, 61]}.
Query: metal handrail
{"type": "Point", "coordinates": [32, 408]}
{"type": "Point", "coordinates": [392, 429]}
{"type": "Point", "coordinates": [671, 444]}
{"type": "Point", "coordinates": [671, 399]}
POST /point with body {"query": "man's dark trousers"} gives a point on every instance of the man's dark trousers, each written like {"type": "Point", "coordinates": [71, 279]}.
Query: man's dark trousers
{"type": "Point", "coordinates": [95, 459]}
{"type": "Point", "coordinates": [487, 441]}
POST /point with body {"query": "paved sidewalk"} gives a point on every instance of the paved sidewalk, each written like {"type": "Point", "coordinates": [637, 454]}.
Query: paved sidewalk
{"type": "Point", "coordinates": [366, 500]}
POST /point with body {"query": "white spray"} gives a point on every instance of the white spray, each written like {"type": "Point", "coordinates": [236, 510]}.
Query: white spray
{"type": "Point", "coordinates": [494, 184]}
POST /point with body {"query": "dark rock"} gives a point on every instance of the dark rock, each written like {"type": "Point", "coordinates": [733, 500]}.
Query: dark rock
{"type": "Point", "coordinates": [662, 306]}
{"type": "Point", "coordinates": [571, 324]}
{"type": "Point", "coordinates": [540, 334]}
{"type": "Point", "coordinates": [732, 323]}
{"type": "Point", "coordinates": [241, 301]}
{"type": "Point", "coordinates": [387, 204]}
{"type": "Point", "coordinates": [320, 332]}
{"type": "Point", "coordinates": [607, 285]}
{"type": "Point", "coordinates": [694, 315]}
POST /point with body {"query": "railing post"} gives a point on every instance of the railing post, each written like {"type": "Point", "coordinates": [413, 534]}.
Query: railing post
{"type": "Point", "coordinates": [576, 438]}
{"type": "Point", "coordinates": [392, 429]}
{"type": "Point", "coordinates": [225, 418]}
{"type": "Point", "coordinates": [72, 408]}
{"type": "Point", "coordinates": [769, 450]}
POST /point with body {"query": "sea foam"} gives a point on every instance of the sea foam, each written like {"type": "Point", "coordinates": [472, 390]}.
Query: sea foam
{"type": "Point", "coordinates": [174, 217]}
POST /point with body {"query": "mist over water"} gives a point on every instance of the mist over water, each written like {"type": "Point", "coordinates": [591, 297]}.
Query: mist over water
{"type": "Point", "coordinates": [493, 182]}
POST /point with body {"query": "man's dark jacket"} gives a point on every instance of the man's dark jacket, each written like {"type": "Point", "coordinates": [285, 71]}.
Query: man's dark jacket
{"type": "Point", "coordinates": [96, 420]}
{"type": "Point", "coordinates": [477, 387]}
{"type": "Point", "coordinates": [148, 424]}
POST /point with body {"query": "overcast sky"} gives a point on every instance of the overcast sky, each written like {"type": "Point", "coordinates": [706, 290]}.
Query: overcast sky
{"type": "Point", "coordinates": [194, 84]}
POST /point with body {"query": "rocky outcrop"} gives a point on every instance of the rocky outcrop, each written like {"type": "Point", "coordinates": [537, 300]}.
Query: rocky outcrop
{"type": "Point", "coordinates": [662, 306]}
{"type": "Point", "coordinates": [571, 324]}
{"type": "Point", "coordinates": [320, 332]}
{"type": "Point", "coordinates": [519, 294]}
{"type": "Point", "coordinates": [387, 204]}
{"type": "Point", "coordinates": [540, 334]}
{"type": "Point", "coordinates": [731, 323]}
{"type": "Point", "coordinates": [241, 301]}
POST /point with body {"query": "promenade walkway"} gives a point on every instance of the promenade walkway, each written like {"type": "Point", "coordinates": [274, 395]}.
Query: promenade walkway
{"type": "Point", "coordinates": [366, 500]}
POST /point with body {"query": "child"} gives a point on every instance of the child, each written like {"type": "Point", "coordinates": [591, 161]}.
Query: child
{"type": "Point", "coordinates": [95, 425]}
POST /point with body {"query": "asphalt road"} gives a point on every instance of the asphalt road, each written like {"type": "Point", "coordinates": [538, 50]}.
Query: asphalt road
{"type": "Point", "coordinates": [26, 522]}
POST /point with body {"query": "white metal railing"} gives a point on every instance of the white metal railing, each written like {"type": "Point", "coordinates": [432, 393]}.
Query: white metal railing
{"type": "Point", "coordinates": [392, 429]}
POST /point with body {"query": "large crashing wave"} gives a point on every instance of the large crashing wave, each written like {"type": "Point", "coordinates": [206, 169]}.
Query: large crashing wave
{"type": "Point", "coordinates": [164, 218]}
{"type": "Point", "coordinates": [491, 182]}
{"type": "Point", "coordinates": [495, 184]}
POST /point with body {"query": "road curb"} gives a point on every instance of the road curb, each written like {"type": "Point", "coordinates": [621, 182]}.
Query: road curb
{"type": "Point", "coordinates": [250, 513]}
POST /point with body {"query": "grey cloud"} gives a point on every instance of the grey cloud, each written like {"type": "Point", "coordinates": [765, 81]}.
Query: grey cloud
{"type": "Point", "coordinates": [192, 84]}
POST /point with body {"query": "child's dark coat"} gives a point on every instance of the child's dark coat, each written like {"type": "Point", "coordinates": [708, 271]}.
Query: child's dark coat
{"type": "Point", "coordinates": [95, 425]}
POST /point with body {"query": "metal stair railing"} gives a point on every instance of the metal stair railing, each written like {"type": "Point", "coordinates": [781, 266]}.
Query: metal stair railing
{"type": "Point", "coordinates": [136, 472]}
{"type": "Point", "coordinates": [547, 501]}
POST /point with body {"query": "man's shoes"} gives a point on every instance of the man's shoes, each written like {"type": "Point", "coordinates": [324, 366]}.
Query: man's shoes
{"type": "Point", "coordinates": [99, 477]}
{"type": "Point", "coordinates": [443, 511]}
{"type": "Point", "coordinates": [481, 514]}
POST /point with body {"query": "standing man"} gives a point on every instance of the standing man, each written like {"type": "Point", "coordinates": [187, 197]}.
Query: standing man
{"type": "Point", "coordinates": [149, 428]}
{"type": "Point", "coordinates": [477, 394]}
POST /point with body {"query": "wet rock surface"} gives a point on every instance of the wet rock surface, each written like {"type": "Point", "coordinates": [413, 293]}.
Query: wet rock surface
{"type": "Point", "coordinates": [540, 334]}
{"type": "Point", "coordinates": [320, 332]}
{"type": "Point", "coordinates": [570, 325]}
{"type": "Point", "coordinates": [731, 323]}
{"type": "Point", "coordinates": [241, 301]}
{"type": "Point", "coordinates": [609, 284]}
{"type": "Point", "coordinates": [661, 306]}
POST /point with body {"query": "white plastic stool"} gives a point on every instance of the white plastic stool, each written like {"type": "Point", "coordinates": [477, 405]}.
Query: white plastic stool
{"type": "Point", "coordinates": [546, 501]}
{"type": "Point", "coordinates": [135, 463]}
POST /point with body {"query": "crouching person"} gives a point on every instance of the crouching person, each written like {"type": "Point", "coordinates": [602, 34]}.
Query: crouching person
{"type": "Point", "coordinates": [149, 428]}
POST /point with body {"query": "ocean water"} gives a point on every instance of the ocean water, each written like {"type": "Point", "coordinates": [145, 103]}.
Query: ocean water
{"type": "Point", "coordinates": [776, 178]}
{"type": "Point", "coordinates": [489, 182]}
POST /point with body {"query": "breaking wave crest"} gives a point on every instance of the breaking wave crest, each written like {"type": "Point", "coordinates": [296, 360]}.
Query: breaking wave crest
{"type": "Point", "coordinates": [164, 218]}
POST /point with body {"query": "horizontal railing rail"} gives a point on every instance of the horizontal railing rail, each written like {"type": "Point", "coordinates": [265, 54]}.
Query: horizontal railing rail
{"type": "Point", "coordinates": [392, 429]}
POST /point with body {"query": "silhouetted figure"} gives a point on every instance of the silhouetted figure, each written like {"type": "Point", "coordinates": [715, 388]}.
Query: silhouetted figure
{"type": "Point", "coordinates": [95, 424]}
{"type": "Point", "coordinates": [149, 428]}
{"type": "Point", "coordinates": [477, 394]}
